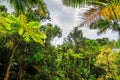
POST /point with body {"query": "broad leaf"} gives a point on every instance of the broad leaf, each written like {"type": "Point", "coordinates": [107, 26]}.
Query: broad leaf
{"type": "Point", "coordinates": [26, 37]}
{"type": "Point", "coordinates": [20, 32]}
{"type": "Point", "coordinates": [34, 24]}
{"type": "Point", "coordinates": [22, 19]}
{"type": "Point", "coordinates": [42, 35]}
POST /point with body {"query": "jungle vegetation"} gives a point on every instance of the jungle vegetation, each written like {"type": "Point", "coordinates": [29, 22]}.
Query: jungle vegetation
{"type": "Point", "coordinates": [27, 52]}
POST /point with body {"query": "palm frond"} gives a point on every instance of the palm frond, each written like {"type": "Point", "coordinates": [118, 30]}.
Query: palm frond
{"type": "Point", "coordinates": [109, 12]}
{"type": "Point", "coordinates": [73, 3]}
{"type": "Point", "coordinates": [19, 5]}
{"type": "Point", "coordinates": [102, 26]}
{"type": "Point", "coordinates": [89, 16]}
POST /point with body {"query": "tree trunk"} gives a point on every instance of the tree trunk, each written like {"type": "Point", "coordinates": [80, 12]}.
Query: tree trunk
{"type": "Point", "coordinates": [10, 62]}
{"type": "Point", "coordinates": [20, 72]}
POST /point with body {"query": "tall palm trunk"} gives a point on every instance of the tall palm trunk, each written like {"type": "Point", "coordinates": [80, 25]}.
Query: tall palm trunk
{"type": "Point", "coordinates": [10, 62]}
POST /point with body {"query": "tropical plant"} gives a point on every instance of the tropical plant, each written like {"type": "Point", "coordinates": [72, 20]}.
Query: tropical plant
{"type": "Point", "coordinates": [76, 38]}
{"type": "Point", "coordinates": [51, 32]}
{"type": "Point", "coordinates": [108, 62]}
{"type": "Point", "coordinates": [25, 29]}
{"type": "Point", "coordinates": [33, 9]}
{"type": "Point", "coordinates": [104, 25]}
{"type": "Point", "coordinates": [106, 12]}
{"type": "Point", "coordinates": [27, 51]}
{"type": "Point", "coordinates": [117, 44]}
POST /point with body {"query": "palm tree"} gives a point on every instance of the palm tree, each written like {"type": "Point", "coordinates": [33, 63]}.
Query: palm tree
{"type": "Point", "coordinates": [104, 25]}
{"type": "Point", "coordinates": [102, 10]}
{"type": "Point", "coordinates": [23, 5]}
{"type": "Point", "coordinates": [31, 8]}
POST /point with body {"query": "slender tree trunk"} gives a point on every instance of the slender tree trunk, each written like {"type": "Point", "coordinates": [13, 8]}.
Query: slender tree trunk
{"type": "Point", "coordinates": [74, 68]}
{"type": "Point", "coordinates": [10, 62]}
{"type": "Point", "coordinates": [89, 67]}
{"type": "Point", "coordinates": [63, 65]}
{"type": "Point", "coordinates": [20, 73]}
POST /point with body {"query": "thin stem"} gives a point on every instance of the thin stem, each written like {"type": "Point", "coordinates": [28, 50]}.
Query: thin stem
{"type": "Point", "coordinates": [10, 62]}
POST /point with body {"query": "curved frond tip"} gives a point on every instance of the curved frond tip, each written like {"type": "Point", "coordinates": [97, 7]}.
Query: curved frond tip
{"type": "Point", "coordinates": [89, 15]}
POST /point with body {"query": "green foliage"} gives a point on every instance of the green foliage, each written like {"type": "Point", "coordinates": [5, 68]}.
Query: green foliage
{"type": "Point", "coordinates": [63, 61]}
{"type": "Point", "coordinates": [72, 3]}
{"type": "Point", "coordinates": [103, 17]}
{"type": "Point", "coordinates": [78, 58]}
{"type": "Point", "coordinates": [100, 24]}
{"type": "Point", "coordinates": [118, 44]}
{"type": "Point", "coordinates": [3, 9]}
{"type": "Point", "coordinates": [52, 31]}
{"type": "Point", "coordinates": [20, 25]}
{"type": "Point", "coordinates": [92, 46]}
{"type": "Point", "coordinates": [79, 3]}
{"type": "Point", "coordinates": [104, 25]}
{"type": "Point", "coordinates": [21, 6]}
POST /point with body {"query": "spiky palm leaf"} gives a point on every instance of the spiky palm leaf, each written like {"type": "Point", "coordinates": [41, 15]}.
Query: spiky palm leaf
{"type": "Point", "coordinates": [73, 3]}
{"type": "Point", "coordinates": [89, 16]}
{"type": "Point", "coordinates": [21, 6]}
{"type": "Point", "coordinates": [104, 14]}
{"type": "Point", "coordinates": [107, 9]}
{"type": "Point", "coordinates": [103, 25]}
{"type": "Point", "coordinates": [110, 18]}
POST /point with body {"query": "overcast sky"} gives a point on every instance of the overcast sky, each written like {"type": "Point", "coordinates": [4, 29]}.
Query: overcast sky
{"type": "Point", "coordinates": [66, 18]}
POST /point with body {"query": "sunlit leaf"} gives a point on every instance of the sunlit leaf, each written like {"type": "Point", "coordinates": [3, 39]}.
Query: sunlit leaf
{"type": "Point", "coordinates": [22, 19]}
{"type": "Point", "coordinates": [34, 24]}
{"type": "Point", "coordinates": [20, 32]}
{"type": "Point", "coordinates": [26, 37]}
{"type": "Point", "coordinates": [36, 38]}
{"type": "Point", "coordinates": [42, 35]}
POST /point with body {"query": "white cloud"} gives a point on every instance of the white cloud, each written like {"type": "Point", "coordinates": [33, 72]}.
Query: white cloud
{"type": "Point", "coordinates": [61, 15]}
{"type": "Point", "coordinates": [66, 18]}
{"type": "Point", "coordinates": [92, 34]}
